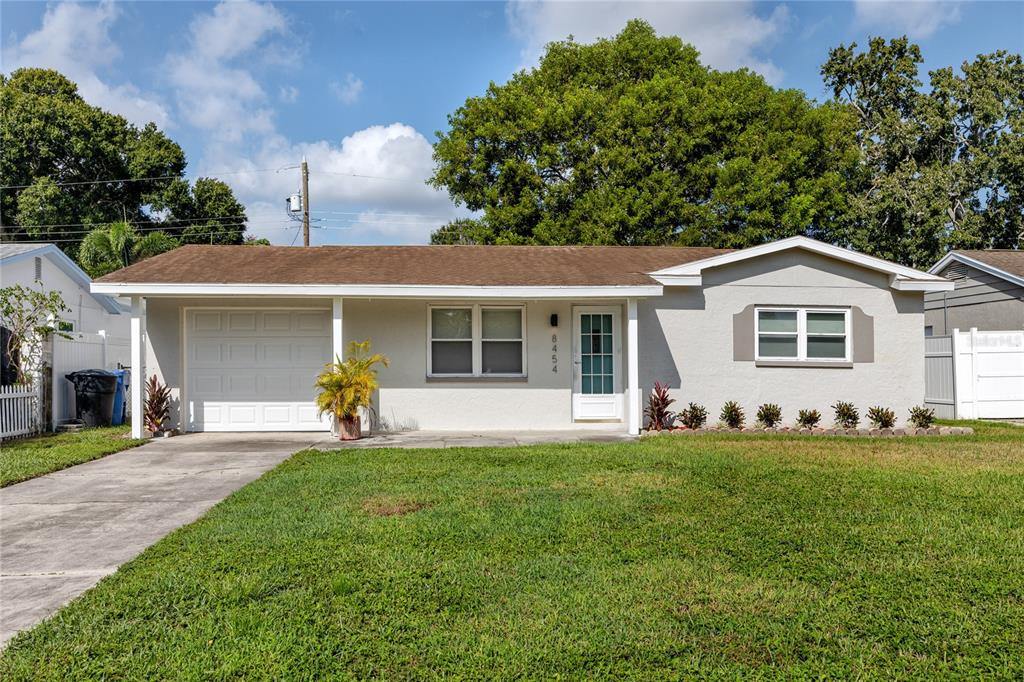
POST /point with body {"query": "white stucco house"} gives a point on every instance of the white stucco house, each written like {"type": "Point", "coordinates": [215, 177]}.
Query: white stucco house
{"type": "Point", "coordinates": [43, 266]}
{"type": "Point", "coordinates": [502, 337]}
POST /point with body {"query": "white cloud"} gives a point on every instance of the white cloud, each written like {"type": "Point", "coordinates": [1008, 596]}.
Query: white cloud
{"type": "Point", "coordinates": [369, 188]}
{"type": "Point", "coordinates": [917, 18]}
{"type": "Point", "coordinates": [728, 34]}
{"type": "Point", "coordinates": [76, 40]}
{"type": "Point", "coordinates": [347, 91]}
{"type": "Point", "coordinates": [215, 88]}
{"type": "Point", "coordinates": [288, 94]}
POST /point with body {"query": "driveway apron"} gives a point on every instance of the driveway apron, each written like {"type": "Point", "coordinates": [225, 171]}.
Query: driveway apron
{"type": "Point", "coordinates": [61, 533]}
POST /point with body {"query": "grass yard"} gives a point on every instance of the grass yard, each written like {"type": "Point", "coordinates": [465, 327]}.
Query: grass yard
{"type": "Point", "coordinates": [27, 458]}
{"type": "Point", "coordinates": [719, 556]}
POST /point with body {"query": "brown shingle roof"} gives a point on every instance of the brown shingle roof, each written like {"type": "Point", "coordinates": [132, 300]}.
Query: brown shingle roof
{"type": "Point", "coordinates": [1007, 260]}
{"type": "Point", "coordinates": [427, 265]}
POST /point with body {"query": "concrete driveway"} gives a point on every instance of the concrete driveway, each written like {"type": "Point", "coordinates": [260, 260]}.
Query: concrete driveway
{"type": "Point", "coordinates": [61, 533]}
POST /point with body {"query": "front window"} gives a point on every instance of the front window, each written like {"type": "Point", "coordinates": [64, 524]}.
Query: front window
{"type": "Point", "coordinates": [476, 340]}
{"type": "Point", "coordinates": [812, 334]}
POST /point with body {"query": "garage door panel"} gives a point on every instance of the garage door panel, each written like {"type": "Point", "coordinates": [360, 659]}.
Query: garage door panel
{"type": "Point", "coordinates": [253, 370]}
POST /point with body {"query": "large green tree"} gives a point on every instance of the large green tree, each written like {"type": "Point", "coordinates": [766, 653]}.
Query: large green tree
{"type": "Point", "coordinates": [633, 141]}
{"type": "Point", "coordinates": [54, 147]}
{"type": "Point", "coordinates": [942, 167]}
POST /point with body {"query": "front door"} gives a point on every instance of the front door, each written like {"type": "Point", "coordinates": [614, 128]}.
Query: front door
{"type": "Point", "coordinates": [597, 385]}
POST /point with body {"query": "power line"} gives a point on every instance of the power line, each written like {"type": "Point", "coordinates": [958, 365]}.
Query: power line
{"type": "Point", "coordinates": [70, 183]}
{"type": "Point", "coordinates": [133, 222]}
{"type": "Point", "coordinates": [200, 234]}
{"type": "Point", "coordinates": [385, 213]}
{"type": "Point", "coordinates": [154, 228]}
{"type": "Point", "coordinates": [372, 177]}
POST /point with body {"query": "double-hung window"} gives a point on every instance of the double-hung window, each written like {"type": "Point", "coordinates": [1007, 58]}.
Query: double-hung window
{"type": "Point", "coordinates": [477, 341]}
{"type": "Point", "coordinates": [803, 334]}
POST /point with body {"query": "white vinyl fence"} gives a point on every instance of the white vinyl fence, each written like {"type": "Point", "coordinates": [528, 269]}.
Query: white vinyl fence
{"type": "Point", "coordinates": [21, 412]}
{"type": "Point", "coordinates": [82, 351]}
{"type": "Point", "coordinates": [975, 375]}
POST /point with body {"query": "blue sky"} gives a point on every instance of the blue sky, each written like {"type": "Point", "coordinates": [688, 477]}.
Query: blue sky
{"type": "Point", "coordinates": [360, 88]}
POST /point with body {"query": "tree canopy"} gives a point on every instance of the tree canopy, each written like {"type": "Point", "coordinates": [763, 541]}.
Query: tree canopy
{"type": "Point", "coordinates": [54, 147]}
{"type": "Point", "coordinates": [942, 167]}
{"type": "Point", "coordinates": [632, 140]}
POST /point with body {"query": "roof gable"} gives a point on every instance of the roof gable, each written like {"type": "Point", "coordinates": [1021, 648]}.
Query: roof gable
{"type": "Point", "coordinates": [12, 253]}
{"type": "Point", "coordinates": [900, 277]}
{"type": "Point", "coordinates": [1007, 264]}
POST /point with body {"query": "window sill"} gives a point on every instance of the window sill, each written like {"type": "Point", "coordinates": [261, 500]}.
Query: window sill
{"type": "Point", "coordinates": [810, 364]}
{"type": "Point", "coordinates": [476, 380]}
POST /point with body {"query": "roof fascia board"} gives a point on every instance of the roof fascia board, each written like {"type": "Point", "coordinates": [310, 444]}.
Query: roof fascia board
{"type": "Point", "coordinates": [376, 290]}
{"type": "Point", "coordinates": [800, 242]}
{"type": "Point", "coordinates": [72, 270]}
{"type": "Point", "coordinates": [921, 285]}
{"type": "Point", "coordinates": [974, 263]}
{"type": "Point", "coordinates": [678, 280]}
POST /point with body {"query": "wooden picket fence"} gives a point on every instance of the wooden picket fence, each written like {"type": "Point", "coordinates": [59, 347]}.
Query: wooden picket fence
{"type": "Point", "coordinates": [20, 410]}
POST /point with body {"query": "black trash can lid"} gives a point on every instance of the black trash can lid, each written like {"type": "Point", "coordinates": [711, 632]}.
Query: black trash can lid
{"type": "Point", "coordinates": [84, 373]}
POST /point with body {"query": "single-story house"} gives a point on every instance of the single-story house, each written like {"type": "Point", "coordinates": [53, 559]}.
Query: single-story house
{"type": "Point", "coordinates": [987, 294]}
{"type": "Point", "coordinates": [508, 337]}
{"type": "Point", "coordinates": [43, 266]}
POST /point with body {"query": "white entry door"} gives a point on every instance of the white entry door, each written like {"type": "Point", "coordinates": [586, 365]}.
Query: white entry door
{"type": "Point", "coordinates": [597, 373]}
{"type": "Point", "coordinates": [253, 369]}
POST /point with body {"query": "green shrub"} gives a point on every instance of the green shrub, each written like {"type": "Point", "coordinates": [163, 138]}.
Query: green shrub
{"type": "Point", "coordinates": [769, 415]}
{"type": "Point", "coordinates": [847, 415]}
{"type": "Point", "coordinates": [732, 415]}
{"type": "Point", "coordinates": [881, 417]}
{"type": "Point", "coordinates": [694, 416]}
{"type": "Point", "coordinates": [922, 417]}
{"type": "Point", "coordinates": [808, 419]}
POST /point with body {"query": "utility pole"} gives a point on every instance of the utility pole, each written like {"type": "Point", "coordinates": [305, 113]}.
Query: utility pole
{"type": "Point", "coordinates": [305, 202]}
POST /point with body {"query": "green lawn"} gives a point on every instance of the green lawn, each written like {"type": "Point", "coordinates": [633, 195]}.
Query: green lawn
{"type": "Point", "coordinates": [718, 556]}
{"type": "Point", "coordinates": [27, 458]}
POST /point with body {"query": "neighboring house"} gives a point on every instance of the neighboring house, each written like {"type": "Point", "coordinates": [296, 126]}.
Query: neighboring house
{"type": "Point", "coordinates": [988, 292]}
{"type": "Point", "coordinates": [46, 267]}
{"type": "Point", "coordinates": [508, 337]}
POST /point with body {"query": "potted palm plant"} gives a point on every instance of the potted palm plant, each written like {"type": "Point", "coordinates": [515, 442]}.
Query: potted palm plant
{"type": "Point", "coordinates": [346, 386]}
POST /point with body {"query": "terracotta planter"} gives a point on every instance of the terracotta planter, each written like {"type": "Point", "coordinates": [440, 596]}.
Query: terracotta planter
{"type": "Point", "coordinates": [350, 429]}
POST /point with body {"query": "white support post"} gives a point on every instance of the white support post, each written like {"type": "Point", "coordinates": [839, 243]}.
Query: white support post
{"type": "Point", "coordinates": [954, 349]}
{"type": "Point", "coordinates": [138, 331]}
{"type": "Point", "coordinates": [633, 367]}
{"type": "Point", "coordinates": [337, 329]}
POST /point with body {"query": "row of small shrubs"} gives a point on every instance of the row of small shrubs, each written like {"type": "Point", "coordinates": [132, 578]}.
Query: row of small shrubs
{"type": "Point", "coordinates": [769, 415]}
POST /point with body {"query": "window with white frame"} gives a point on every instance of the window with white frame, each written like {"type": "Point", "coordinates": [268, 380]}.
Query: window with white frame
{"type": "Point", "coordinates": [812, 334]}
{"type": "Point", "coordinates": [476, 340]}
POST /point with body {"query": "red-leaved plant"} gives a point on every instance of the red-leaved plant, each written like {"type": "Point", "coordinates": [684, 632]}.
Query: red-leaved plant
{"type": "Point", "coordinates": [657, 412]}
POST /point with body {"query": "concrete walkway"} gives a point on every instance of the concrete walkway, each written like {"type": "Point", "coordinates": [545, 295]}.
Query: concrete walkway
{"type": "Point", "coordinates": [61, 533]}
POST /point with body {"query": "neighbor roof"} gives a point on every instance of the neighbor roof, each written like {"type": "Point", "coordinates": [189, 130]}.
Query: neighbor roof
{"type": "Point", "coordinates": [11, 252]}
{"type": "Point", "coordinates": [1005, 263]}
{"type": "Point", "coordinates": [504, 266]}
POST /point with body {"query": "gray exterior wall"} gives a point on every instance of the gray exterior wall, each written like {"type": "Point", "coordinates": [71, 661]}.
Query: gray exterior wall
{"type": "Point", "coordinates": [698, 340]}
{"type": "Point", "coordinates": [979, 300]}
{"type": "Point", "coordinates": [688, 339]}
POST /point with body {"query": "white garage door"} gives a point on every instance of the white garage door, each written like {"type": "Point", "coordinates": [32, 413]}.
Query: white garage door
{"type": "Point", "coordinates": [253, 369]}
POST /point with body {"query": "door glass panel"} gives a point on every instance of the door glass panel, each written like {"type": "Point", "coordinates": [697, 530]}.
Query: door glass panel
{"type": "Point", "coordinates": [597, 359]}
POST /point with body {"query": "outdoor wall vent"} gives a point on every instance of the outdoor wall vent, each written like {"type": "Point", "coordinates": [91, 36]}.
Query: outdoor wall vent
{"type": "Point", "coordinates": [956, 270]}
{"type": "Point", "coordinates": [39, 269]}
